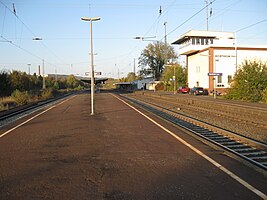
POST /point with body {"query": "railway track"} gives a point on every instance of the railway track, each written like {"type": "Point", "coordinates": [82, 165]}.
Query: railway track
{"type": "Point", "coordinates": [14, 114]}
{"type": "Point", "coordinates": [251, 150]}
{"type": "Point", "coordinates": [236, 112]}
{"type": "Point", "coordinates": [230, 116]}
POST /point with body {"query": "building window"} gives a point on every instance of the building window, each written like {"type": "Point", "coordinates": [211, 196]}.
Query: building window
{"type": "Point", "coordinates": [219, 80]}
{"type": "Point", "coordinates": [197, 69]}
{"type": "Point", "coordinates": [202, 41]}
{"type": "Point", "coordinates": [206, 41]}
{"type": "Point", "coordinates": [211, 41]}
{"type": "Point", "coordinates": [197, 41]}
{"type": "Point", "coordinates": [193, 41]}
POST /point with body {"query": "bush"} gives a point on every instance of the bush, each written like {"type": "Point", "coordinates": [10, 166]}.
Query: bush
{"type": "Point", "coordinates": [264, 96]}
{"type": "Point", "coordinates": [79, 88]}
{"type": "Point", "coordinates": [2, 106]}
{"type": "Point", "coordinates": [249, 82]}
{"type": "Point", "coordinates": [56, 86]}
{"type": "Point", "coordinates": [159, 86]}
{"type": "Point", "coordinates": [20, 98]}
{"type": "Point", "coordinates": [47, 93]}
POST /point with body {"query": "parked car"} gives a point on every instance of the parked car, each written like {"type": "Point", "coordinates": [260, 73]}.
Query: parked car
{"type": "Point", "coordinates": [183, 90]}
{"type": "Point", "coordinates": [206, 92]}
{"type": "Point", "coordinates": [217, 93]}
{"type": "Point", "coordinates": [197, 91]}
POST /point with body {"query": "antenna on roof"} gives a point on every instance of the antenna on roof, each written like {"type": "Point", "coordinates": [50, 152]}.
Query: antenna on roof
{"type": "Point", "coordinates": [210, 9]}
{"type": "Point", "coordinates": [209, 13]}
{"type": "Point", "coordinates": [14, 10]}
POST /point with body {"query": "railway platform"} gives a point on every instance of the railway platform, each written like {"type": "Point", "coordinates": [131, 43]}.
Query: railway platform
{"type": "Point", "coordinates": [121, 152]}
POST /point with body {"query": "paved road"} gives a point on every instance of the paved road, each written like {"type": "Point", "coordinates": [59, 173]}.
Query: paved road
{"type": "Point", "coordinates": [65, 153]}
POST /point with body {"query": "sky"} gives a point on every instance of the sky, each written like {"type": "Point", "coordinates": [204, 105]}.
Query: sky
{"type": "Point", "coordinates": [65, 43]}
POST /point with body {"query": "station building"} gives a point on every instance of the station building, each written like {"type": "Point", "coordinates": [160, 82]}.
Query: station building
{"type": "Point", "coordinates": [212, 58]}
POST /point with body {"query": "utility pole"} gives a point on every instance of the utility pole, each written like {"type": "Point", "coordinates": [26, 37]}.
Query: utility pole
{"type": "Point", "coordinates": [43, 76]}
{"type": "Point", "coordinates": [134, 66]}
{"type": "Point", "coordinates": [71, 71]}
{"type": "Point", "coordinates": [165, 23]}
{"type": "Point", "coordinates": [92, 60]}
{"type": "Point", "coordinates": [56, 73]}
{"type": "Point", "coordinates": [29, 69]}
{"type": "Point", "coordinates": [39, 70]}
{"type": "Point", "coordinates": [38, 39]}
{"type": "Point", "coordinates": [174, 80]}
{"type": "Point", "coordinates": [207, 10]}
{"type": "Point", "coordinates": [165, 62]}
{"type": "Point", "coordinates": [236, 52]}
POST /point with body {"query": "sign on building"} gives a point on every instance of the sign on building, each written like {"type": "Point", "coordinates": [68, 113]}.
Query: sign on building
{"type": "Point", "coordinates": [214, 74]}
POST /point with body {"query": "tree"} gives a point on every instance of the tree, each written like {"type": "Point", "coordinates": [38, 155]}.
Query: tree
{"type": "Point", "coordinates": [249, 82]}
{"type": "Point", "coordinates": [21, 98]}
{"type": "Point", "coordinates": [19, 81]}
{"type": "Point", "coordinates": [174, 70]}
{"type": "Point", "coordinates": [72, 82]}
{"type": "Point", "coordinates": [36, 82]}
{"type": "Point", "coordinates": [131, 77]}
{"type": "Point", "coordinates": [5, 88]}
{"type": "Point", "coordinates": [153, 57]}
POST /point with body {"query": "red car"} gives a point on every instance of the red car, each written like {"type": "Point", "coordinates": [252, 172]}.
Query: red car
{"type": "Point", "coordinates": [183, 90]}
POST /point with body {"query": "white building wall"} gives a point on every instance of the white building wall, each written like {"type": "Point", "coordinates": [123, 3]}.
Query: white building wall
{"type": "Point", "coordinates": [243, 55]}
{"type": "Point", "coordinates": [141, 83]}
{"type": "Point", "coordinates": [198, 70]}
{"type": "Point", "coordinates": [193, 43]}
{"type": "Point", "coordinates": [224, 62]}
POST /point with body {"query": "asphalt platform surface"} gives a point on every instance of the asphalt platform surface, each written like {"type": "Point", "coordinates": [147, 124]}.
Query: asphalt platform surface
{"type": "Point", "coordinates": [65, 153]}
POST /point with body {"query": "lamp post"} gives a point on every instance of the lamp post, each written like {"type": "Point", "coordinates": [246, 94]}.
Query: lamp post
{"type": "Point", "coordinates": [92, 60]}
{"type": "Point", "coordinates": [43, 76]}
{"type": "Point", "coordinates": [173, 77]}
{"type": "Point", "coordinates": [144, 38]}
{"type": "Point", "coordinates": [38, 39]}
{"type": "Point", "coordinates": [29, 69]}
{"type": "Point", "coordinates": [165, 51]}
{"type": "Point", "coordinates": [174, 80]}
{"type": "Point", "coordinates": [235, 52]}
{"type": "Point", "coordinates": [214, 78]}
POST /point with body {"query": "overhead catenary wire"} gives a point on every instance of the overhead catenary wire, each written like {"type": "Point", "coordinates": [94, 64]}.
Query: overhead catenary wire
{"type": "Point", "coordinates": [28, 28]}
{"type": "Point", "coordinates": [241, 29]}
{"type": "Point", "coordinates": [162, 14]}
{"type": "Point", "coordinates": [129, 55]}
{"type": "Point", "coordinates": [190, 18]}
{"type": "Point", "coordinates": [3, 25]}
{"type": "Point", "coordinates": [25, 50]}
{"type": "Point", "coordinates": [251, 25]}
{"type": "Point", "coordinates": [15, 14]}
{"type": "Point", "coordinates": [21, 48]}
{"type": "Point", "coordinates": [219, 13]}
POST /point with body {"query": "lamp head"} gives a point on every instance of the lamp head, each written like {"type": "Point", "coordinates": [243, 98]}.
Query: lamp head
{"type": "Point", "coordinates": [90, 19]}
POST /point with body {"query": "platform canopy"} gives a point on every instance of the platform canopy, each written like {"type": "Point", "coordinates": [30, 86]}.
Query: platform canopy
{"type": "Point", "coordinates": [97, 80]}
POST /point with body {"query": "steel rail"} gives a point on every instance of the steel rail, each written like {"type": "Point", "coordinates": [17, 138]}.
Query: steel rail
{"type": "Point", "coordinates": [251, 150]}
{"type": "Point", "coordinates": [31, 107]}
{"type": "Point", "coordinates": [218, 104]}
{"type": "Point", "coordinates": [201, 99]}
{"type": "Point", "coordinates": [218, 110]}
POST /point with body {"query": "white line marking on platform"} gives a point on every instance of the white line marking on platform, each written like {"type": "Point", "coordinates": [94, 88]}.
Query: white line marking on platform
{"type": "Point", "coordinates": [28, 120]}
{"type": "Point", "coordinates": [215, 163]}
